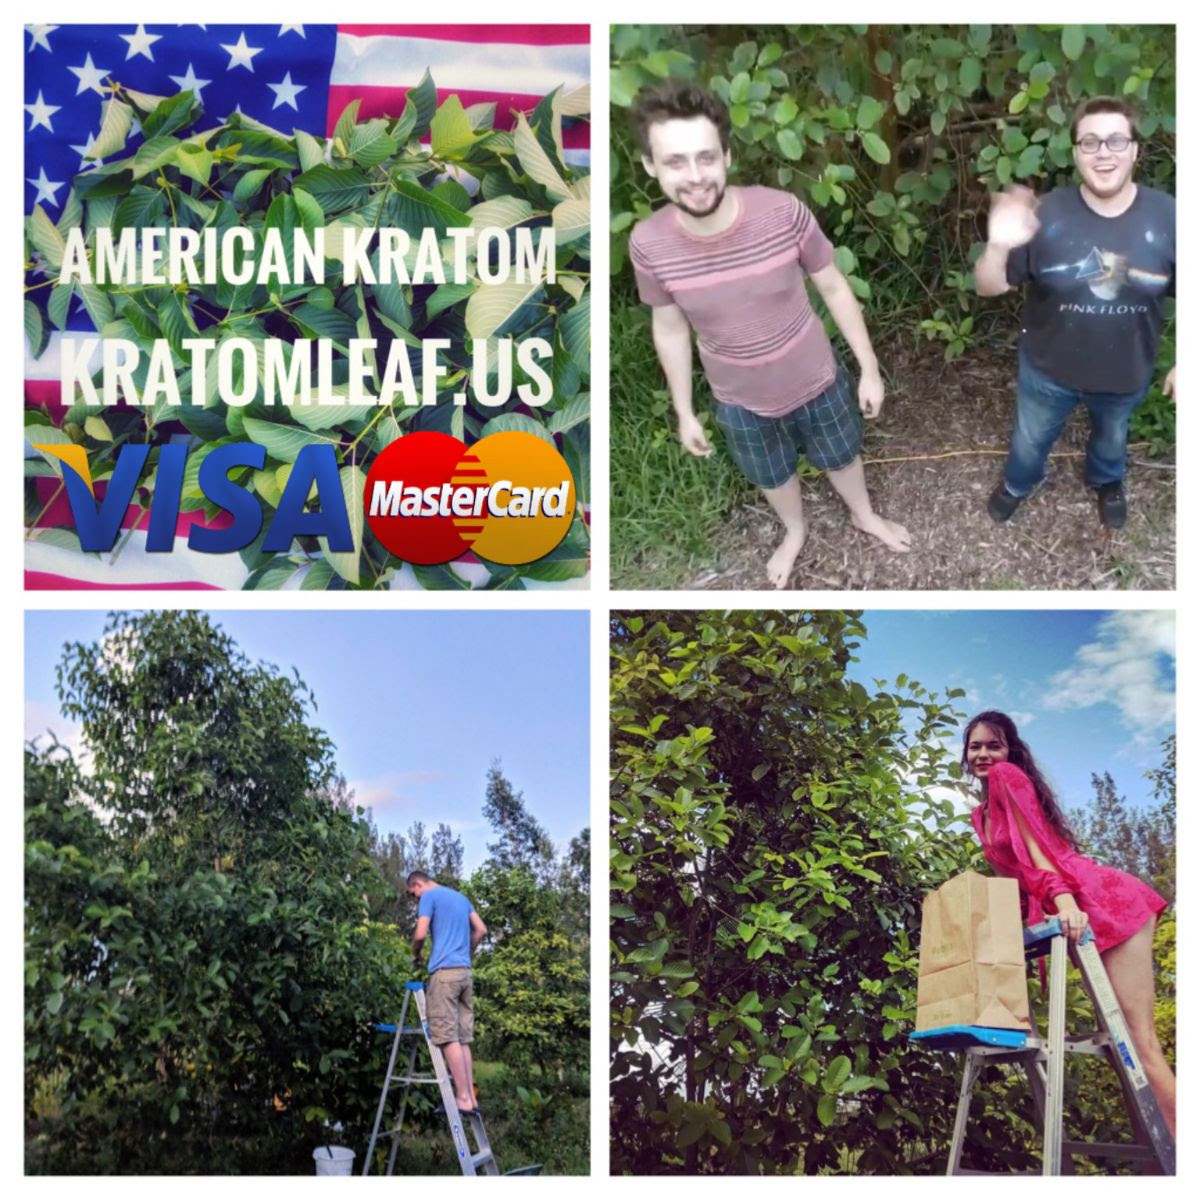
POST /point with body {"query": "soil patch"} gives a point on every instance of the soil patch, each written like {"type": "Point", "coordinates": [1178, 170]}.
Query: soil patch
{"type": "Point", "coordinates": [932, 461]}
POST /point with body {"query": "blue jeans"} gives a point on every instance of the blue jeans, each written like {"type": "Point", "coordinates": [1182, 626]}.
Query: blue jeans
{"type": "Point", "coordinates": [1043, 406]}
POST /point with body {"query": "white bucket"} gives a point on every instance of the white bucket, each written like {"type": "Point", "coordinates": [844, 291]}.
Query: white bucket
{"type": "Point", "coordinates": [334, 1160]}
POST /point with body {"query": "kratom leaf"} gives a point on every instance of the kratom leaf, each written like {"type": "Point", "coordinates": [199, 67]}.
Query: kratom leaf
{"type": "Point", "coordinates": [536, 162]}
{"type": "Point", "coordinates": [310, 151]}
{"type": "Point", "coordinates": [571, 220]}
{"type": "Point", "coordinates": [284, 442]}
{"type": "Point", "coordinates": [347, 562]}
{"type": "Point", "coordinates": [46, 238]}
{"type": "Point", "coordinates": [502, 213]}
{"type": "Point", "coordinates": [115, 121]}
{"type": "Point", "coordinates": [491, 308]}
{"type": "Point", "coordinates": [450, 131]}
{"type": "Point", "coordinates": [153, 153]}
{"type": "Point", "coordinates": [518, 423]}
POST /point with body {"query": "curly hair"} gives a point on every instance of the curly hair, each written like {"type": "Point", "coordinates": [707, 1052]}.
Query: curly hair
{"type": "Point", "coordinates": [676, 99]}
{"type": "Point", "coordinates": [1021, 756]}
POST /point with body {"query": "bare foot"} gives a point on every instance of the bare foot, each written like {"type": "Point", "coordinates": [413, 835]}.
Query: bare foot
{"type": "Point", "coordinates": [780, 564]}
{"type": "Point", "coordinates": [893, 535]}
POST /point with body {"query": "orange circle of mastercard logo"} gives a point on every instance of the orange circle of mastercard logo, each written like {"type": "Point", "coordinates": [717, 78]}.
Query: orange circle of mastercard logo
{"type": "Point", "coordinates": [510, 498]}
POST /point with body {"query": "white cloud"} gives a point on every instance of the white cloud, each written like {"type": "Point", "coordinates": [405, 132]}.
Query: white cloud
{"type": "Point", "coordinates": [1022, 719]}
{"type": "Point", "coordinates": [41, 720]}
{"type": "Point", "coordinates": [1123, 667]}
{"type": "Point", "coordinates": [397, 790]}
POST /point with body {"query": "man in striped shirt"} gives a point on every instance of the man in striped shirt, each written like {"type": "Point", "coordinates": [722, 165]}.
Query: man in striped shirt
{"type": "Point", "coordinates": [730, 265]}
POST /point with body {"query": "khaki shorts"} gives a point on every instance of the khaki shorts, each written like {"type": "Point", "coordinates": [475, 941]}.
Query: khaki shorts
{"type": "Point", "coordinates": [449, 1006]}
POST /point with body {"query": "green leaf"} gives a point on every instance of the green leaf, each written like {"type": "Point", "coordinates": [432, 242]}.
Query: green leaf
{"type": "Point", "coordinates": [577, 409]}
{"type": "Point", "coordinates": [153, 153]}
{"type": "Point", "coordinates": [284, 442]}
{"type": "Point", "coordinates": [502, 213]}
{"type": "Point", "coordinates": [35, 329]}
{"type": "Point", "coordinates": [343, 129]}
{"type": "Point", "coordinates": [46, 238]}
{"type": "Point", "coordinates": [876, 148]}
{"type": "Point", "coordinates": [970, 75]}
{"type": "Point", "coordinates": [347, 562]}
{"type": "Point", "coordinates": [491, 308]}
{"type": "Point", "coordinates": [571, 220]}
{"type": "Point", "coordinates": [827, 1110]}
{"type": "Point", "coordinates": [423, 102]}
{"type": "Point", "coordinates": [333, 188]}
{"type": "Point", "coordinates": [371, 144]}
{"type": "Point", "coordinates": [790, 145]}
{"type": "Point", "coordinates": [447, 296]}
{"type": "Point", "coordinates": [535, 162]}
{"type": "Point", "coordinates": [115, 122]}
{"type": "Point", "coordinates": [251, 184]}
{"type": "Point", "coordinates": [1074, 39]}
{"type": "Point", "coordinates": [869, 112]}
{"type": "Point", "coordinates": [450, 131]}
{"type": "Point", "coordinates": [195, 161]}
{"type": "Point", "coordinates": [511, 422]}
{"type": "Point", "coordinates": [310, 151]}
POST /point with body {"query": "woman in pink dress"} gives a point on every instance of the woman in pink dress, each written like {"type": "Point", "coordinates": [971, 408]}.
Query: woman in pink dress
{"type": "Point", "coordinates": [1025, 836]}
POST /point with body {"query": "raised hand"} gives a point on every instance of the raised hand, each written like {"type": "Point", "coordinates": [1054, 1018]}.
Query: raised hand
{"type": "Point", "coordinates": [1012, 220]}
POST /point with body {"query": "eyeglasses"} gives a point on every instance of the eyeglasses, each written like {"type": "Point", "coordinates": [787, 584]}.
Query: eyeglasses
{"type": "Point", "coordinates": [1116, 142]}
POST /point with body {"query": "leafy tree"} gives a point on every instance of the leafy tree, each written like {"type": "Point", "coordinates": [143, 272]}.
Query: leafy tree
{"type": "Point", "coordinates": [522, 841]}
{"type": "Point", "coordinates": [200, 969]}
{"type": "Point", "coordinates": [773, 832]}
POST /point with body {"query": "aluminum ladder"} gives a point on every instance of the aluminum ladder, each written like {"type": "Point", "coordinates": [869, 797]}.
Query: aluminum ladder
{"type": "Point", "coordinates": [481, 1160]}
{"type": "Point", "coordinates": [1044, 1060]}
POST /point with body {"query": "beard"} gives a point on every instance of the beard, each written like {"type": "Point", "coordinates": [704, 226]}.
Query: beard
{"type": "Point", "coordinates": [702, 210]}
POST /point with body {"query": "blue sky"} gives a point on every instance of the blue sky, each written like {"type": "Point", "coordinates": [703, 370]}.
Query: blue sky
{"type": "Point", "coordinates": [1090, 691]}
{"type": "Point", "coordinates": [418, 705]}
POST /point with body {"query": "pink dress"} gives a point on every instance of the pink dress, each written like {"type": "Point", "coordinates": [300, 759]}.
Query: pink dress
{"type": "Point", "coordinates": [1117, 903]}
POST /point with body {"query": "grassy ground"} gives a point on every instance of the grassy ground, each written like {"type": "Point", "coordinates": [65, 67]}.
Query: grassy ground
{"type": "Point", "coordinates": [932, 459]}
{"type": "Point", "coordinates": [530, 1118]}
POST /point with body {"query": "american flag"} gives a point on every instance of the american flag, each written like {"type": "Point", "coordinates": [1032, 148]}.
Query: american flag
{"type": "Point", "coordinates": [289, 77]}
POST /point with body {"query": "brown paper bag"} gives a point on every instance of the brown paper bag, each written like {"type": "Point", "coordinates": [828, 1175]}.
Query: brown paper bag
{"type": "Point", "coordinates": [972, 965]}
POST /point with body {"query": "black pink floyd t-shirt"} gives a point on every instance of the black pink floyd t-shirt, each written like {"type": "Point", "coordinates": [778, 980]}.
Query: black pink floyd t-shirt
{"type": "Point", "coordinates": [1094, 305]}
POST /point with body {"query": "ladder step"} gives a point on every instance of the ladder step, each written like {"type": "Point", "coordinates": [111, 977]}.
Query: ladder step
{"type": "Point", "coordinates": [484, 1156]}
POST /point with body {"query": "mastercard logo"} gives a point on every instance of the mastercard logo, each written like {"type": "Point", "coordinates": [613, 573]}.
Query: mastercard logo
{"type": "Point", "coordinates": [510, 497]}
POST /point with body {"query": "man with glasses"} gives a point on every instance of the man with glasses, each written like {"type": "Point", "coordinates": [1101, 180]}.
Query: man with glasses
{"type": "Point", "coordinates": [457, 932]}
{"type": "Point", "coordinates": [1099, 260]}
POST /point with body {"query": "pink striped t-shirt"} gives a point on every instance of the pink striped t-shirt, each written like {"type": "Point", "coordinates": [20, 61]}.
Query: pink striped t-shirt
{"type": "Point", "coordinates": [742, 291]}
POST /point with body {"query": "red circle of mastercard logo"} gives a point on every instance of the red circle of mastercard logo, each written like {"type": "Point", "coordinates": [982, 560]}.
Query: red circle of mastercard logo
{"type": "Point", "coordinates": [510, 497]}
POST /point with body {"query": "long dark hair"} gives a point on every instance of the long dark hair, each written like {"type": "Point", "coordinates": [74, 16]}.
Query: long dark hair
{"type": "Point", "coordinates": [1021, 756]}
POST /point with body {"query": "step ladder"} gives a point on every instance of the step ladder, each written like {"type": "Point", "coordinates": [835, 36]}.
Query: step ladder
{"type": "Point", "coordinates": [1044, 1059]}
{"type": "Point", "coordinates": [481, 1160]}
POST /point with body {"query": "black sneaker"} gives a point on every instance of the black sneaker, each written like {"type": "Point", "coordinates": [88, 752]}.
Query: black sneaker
{"type": "Point", "coordinates": [1111, 501]}
{"type": "Point", "coordinates": [1002, 503]}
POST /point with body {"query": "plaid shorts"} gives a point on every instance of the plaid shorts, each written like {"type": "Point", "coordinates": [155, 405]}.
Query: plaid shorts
{"type": "Point", "coordinates": [828, 431]}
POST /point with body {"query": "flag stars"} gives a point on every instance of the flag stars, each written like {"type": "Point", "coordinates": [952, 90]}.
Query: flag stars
{"type": "Point", "coordinates": [84, 152]}
{"type": "Point", "coordinates": [45, 188]}
{"type": "Point", "coordinates": [140, 43]}
{"type": "Point", "coordinates": [240, 54]}
{"type": "Point", "coordinates": [293, 29]}
{"type": "Point", "coordinates": [90, 76]}
{"type": "Point", "coordinates": [39, 35]}
{"type": "Point", "coordinates": [286, 92]}
{"type": "Point", "coordinates": [189, 82]}
{"type": "Point", "coordinates": [40, 113]}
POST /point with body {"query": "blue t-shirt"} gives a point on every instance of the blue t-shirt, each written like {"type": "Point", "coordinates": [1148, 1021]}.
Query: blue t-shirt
{"type": "Point", "coordinates": [449, 913]}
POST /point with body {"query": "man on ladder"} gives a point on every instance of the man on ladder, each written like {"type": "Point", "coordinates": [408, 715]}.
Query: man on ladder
{"type": "Point", "coordinates": [457, 932]}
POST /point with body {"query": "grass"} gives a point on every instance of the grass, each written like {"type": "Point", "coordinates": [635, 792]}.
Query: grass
{"type": "Point", "coordinates": [532, 1117]}
{"type": "Point", "coordinates": [666, 504]}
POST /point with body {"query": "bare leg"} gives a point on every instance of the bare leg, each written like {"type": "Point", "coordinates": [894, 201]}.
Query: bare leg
{"type": "Point", "coordinates": [850, 482]}
{"type": "Point", "coordinates": [1130, 967]}
{"type": "Point", "coordinates": [789, 508]}
{"type": "Point", "coordinates": [458, 1059]}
